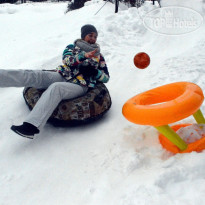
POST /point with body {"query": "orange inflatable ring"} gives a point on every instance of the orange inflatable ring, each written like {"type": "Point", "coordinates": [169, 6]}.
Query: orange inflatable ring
{"type": "Point", "coordinates": [197, 146]}
{"type": "Point", "coordinates": [164, 105]}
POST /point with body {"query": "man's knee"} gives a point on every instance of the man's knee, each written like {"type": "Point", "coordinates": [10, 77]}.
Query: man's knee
{"type": "Point", "coordinates": [57, 88]}
{"type": "Point", "coordinates": [65, 90]}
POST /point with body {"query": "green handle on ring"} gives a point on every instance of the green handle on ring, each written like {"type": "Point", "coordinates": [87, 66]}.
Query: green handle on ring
{"type": "Point", "coordinates": [198, 116]}
{"type": "Point", "coordinates": [169, 133]}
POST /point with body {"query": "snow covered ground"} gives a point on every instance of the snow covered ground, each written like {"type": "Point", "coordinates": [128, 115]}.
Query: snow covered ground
{"type": "Point", "coordinates": [111, 161]}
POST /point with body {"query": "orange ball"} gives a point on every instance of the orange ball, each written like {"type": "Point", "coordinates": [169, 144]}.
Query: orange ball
{"type": "Point", "coordinates": [141, 60]}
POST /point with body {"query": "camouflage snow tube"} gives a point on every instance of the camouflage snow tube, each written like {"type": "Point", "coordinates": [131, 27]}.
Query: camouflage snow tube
{"type": "Point", "coordinates": [93, 105]}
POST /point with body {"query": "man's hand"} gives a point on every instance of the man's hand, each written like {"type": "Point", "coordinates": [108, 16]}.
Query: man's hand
{"type": "Point", "coordinates": [88, 71]}
{"type": "Point", "coordinates": [90, 54]}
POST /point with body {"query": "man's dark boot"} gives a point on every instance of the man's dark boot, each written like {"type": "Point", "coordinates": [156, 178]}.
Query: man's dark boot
{"type": "Point", "coordinates": [26, 130]}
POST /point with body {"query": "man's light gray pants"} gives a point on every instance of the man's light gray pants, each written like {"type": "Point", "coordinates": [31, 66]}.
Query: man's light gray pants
{"type": "Point", "coordinates": [57, 89]}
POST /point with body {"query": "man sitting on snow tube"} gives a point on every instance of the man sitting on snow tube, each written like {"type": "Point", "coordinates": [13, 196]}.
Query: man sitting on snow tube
{"type": "Point", "coordinates": [83, 66]}
{"type": "Point", "coordinates": [81, 110]}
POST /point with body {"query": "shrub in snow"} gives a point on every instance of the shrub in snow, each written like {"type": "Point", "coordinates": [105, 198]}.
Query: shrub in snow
{"type": "Point", "coordinates": [75, 4]}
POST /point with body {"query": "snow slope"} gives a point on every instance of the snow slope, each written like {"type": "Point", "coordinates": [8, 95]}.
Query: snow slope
{"type": "Point", "coordinates": [111, 161]}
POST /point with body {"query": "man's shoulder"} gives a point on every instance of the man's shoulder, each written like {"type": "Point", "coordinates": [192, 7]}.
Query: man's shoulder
{"type": "Point", "coordinates": [70, 46]}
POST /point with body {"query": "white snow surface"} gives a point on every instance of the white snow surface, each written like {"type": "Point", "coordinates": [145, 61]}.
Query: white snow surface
{"type": "Point", "coordinates": [111, 161]}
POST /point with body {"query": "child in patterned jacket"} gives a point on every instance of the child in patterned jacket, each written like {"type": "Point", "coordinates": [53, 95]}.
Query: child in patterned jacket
{"type": "Point", "coordinates": [83, 66]}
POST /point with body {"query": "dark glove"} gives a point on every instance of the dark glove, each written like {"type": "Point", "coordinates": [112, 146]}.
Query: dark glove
{"type": "Point", "coordinates": [88, 71]}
